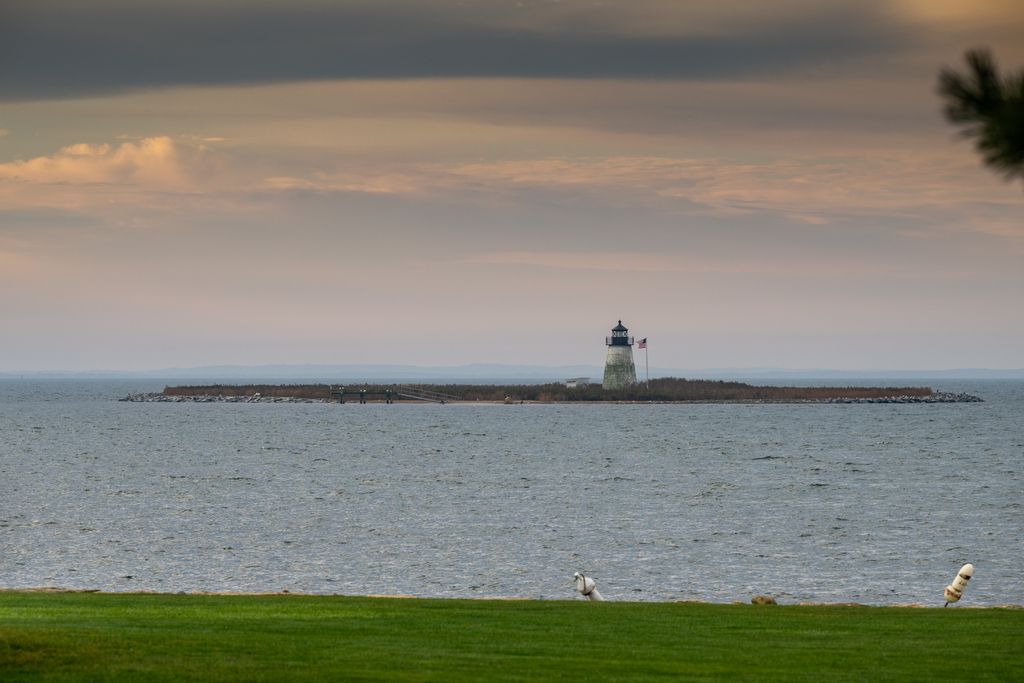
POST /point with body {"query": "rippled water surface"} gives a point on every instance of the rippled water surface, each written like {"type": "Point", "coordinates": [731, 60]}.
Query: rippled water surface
{"type": "Point", "coordinates": [831, 503]}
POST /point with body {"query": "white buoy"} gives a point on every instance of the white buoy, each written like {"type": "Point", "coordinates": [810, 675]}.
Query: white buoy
{"type": "Point", "coordinates": [955, 590]}
{"type": "Point", "coordinates": [587, 588]}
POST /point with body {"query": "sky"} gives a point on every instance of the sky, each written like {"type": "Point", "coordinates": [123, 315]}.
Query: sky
{"type": "Point", "coordinates": [442, 182]}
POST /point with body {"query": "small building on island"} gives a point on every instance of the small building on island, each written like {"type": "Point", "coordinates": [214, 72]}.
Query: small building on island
{"type": "Point", "coordinates": [577, 382]}
{"type": "Point", "coordinates": [619, 371]}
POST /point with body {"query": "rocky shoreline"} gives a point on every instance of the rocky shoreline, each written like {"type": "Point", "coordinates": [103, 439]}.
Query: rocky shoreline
{"type": "Point", "coordinates": [938, 397]}
{"type": "Point", "coordinates": [157, 397]}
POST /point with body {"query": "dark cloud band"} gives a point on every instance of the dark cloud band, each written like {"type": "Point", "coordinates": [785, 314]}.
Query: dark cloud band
{"type": "Point", "coordinates": [67, 49]}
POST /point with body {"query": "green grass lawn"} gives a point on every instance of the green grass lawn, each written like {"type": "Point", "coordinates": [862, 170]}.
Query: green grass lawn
{"type": "Point", "coordinates": [75, 636]}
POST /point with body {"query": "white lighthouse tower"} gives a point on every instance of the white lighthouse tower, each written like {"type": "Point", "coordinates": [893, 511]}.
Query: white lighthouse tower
{"type": "Point", "coordinates": [619, 370]}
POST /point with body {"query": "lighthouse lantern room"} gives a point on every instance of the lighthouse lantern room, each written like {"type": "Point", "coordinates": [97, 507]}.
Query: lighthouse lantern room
{"type": "Point", "coordinates": [619, 370]}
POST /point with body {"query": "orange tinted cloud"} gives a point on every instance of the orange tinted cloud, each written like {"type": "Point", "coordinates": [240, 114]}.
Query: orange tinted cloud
{"type": "Point", "coordinates": [128, 177]}
{"type": "Point", "coordinates": [367, 182]}
{"type": "Point", "coordinates": [808, 190]}
{"type": "Point", "coordinates": [151, 161]}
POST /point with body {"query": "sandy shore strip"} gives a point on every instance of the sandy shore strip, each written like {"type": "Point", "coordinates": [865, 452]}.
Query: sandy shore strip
{"type": "Point", "coordinates": [402, 596]}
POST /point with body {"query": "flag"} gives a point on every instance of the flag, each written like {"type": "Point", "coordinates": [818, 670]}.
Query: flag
{"type": "Point", "coordinates": [642, 344]}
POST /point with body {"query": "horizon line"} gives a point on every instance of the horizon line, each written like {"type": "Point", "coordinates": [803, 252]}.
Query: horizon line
{"type": "Point", "coordinates": [515, 367]}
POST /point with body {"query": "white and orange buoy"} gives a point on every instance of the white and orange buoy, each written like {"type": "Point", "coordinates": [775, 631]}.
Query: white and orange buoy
{"type": "Point", "coordinates": [955, 590]}
{"type": "Point", "coordinates": [587, 588]}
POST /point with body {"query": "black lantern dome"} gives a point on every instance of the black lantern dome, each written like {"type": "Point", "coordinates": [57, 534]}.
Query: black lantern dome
{"type": "Point", "coordinates": [620, 336]}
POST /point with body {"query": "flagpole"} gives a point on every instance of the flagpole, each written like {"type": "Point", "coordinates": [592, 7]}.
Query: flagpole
{"type": "Point", "coordinates": [647, 366]}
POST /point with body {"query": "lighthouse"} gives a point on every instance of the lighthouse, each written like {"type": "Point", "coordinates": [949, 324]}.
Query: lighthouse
{"type": "Point", "coordinates": [619, 370]}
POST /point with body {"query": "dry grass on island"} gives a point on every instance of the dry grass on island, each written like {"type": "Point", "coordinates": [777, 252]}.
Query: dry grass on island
{"type": "Point", "coordinates": [659, 390]}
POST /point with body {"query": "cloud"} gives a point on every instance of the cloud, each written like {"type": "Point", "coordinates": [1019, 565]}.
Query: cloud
{"type": "Point", "coordinates": [678, 263]}
{"type": "Point", "coordinates": [13, 264]}
{"type": "Point", "coordinates": [151, 161]}
{"type": "Point", "coordinates": [126, 179]}
{"type": "Point", "coordinates": [65, 48]}
{"type": "Point", "coordinates": [580, 260]}
{"type": "Point", "coordinates": [810, 190]}
{"type": "Point", "coordinates": [637, 262]}
{"type": "Point", "coordinates": [367, 183]}
{"type": "Point", "coordinates": [623, 171]}
{"type": "Point", "coordinates": [17, 223]}
{"type": "Point", "coordinates": [919, 193]}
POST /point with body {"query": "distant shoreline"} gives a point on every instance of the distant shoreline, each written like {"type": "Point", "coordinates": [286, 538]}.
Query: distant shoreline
{"type": "Point", "coordinates": [496, 373]}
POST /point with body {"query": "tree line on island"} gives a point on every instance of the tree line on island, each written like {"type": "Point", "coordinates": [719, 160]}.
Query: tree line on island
{"type": "Point", "coordinates": [662, 389]}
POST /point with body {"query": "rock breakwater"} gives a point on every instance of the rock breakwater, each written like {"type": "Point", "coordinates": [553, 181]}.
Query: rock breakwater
{"type": "Point", "coordinates": [157, 397]}
{"type": "Point", "coordinates": [937, 397]}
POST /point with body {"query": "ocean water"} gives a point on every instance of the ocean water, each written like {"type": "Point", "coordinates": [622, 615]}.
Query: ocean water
{"type": "Point", "coordinates": [878, 504]}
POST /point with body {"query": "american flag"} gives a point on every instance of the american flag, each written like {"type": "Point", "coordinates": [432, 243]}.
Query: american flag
{"type": "Point", "coordinates": [642, 344]}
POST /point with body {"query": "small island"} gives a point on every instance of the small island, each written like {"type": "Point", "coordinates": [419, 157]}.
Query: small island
{"type": "Point", "coordinates": [662, 390]}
